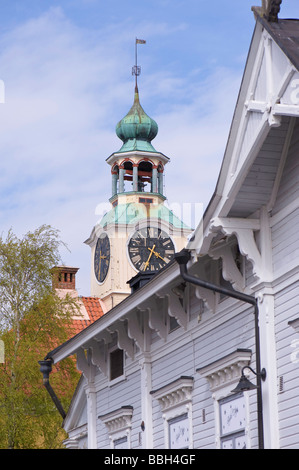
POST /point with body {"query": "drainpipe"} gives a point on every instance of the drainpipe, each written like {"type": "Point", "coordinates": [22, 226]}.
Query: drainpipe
{"type": "Point", "coordinates": [182, 259]}
{"type": "Point", "coordinates": [46, 369]}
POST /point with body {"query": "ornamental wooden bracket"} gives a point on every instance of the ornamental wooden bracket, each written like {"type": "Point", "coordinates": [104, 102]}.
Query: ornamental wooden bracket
{"type": "Point", "coordinates": [244, 230]}
{"type": "Point", "coordinates": [123, 340]}
{"type": "Point", "coordinates": [157, 317]}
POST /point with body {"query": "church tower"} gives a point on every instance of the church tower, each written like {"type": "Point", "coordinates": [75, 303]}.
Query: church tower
{"type": "Point", "coordinates": [139, 234]}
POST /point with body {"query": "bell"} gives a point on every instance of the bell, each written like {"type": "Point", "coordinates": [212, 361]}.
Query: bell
{"type": "Point", "coordinates": [244, 385]}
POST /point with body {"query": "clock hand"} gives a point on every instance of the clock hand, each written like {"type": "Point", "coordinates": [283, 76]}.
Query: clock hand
{"type": "Point", "coordinates": [148, 260]}
{"type": "Point", "coordinates": [100, 261]}
{"type": "Point", "coordinates": [157, 255]}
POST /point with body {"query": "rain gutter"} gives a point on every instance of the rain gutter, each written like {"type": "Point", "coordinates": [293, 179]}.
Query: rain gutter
{"type": "Point", "coordinates": [46, 369]}
{"type": "Point", "coordinates": [182, 259]}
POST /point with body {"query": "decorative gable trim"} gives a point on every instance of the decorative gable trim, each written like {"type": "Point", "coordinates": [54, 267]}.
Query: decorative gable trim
{"type": "Point", "coordinates": [244, 230]}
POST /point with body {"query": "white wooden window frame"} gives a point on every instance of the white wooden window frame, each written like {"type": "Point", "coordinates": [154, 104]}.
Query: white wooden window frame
{"type": "Point", "coordinates": [120, 377]}
{"type": "Point", "coordinates": [238, 432]}
{"type": "Point", "coordinates": [223, 375]}
{"type": "Point", "coordinates": [118, 424]}
{"type": "Point", "coordinates": [175, 401]}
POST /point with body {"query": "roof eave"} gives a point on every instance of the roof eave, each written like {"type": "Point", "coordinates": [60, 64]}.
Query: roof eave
{"type": "Point", "coordinates": [160, 280]}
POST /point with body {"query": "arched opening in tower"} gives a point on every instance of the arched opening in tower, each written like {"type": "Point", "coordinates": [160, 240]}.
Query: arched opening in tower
{"type": "Point", "coordinates": [145, 176]}
{"type": "Point", "coordinates": [128, 176]}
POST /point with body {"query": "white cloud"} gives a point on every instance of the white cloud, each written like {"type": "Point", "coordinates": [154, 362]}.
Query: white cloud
{"type": "Point", "coordinates": [194, 136]}
{"type": "Point", "coordinates": [66, 88]}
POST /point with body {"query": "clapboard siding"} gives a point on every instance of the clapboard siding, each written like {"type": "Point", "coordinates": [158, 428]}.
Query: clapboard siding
{"type": "Point", "coordinates": [102, 408]}
{"type": "Point", "coordinates": [203, 415]}
{"type": "Point", "coordinates": [222, 340]}
{"type": "Point", "coordinates": [172, 366]}
{"type": "Point", "coordinates": [126, 392]}
{"type": "Point", "coordinates": [285, 241]}
{"type": "Point", "coordinates": [289, 184]}
{"type": "Point", "coordinates": [286, 309]}
{"type": "Point", "coordinates": [257, 187]}
{"type": "Point", "coordinates": [237, 332]}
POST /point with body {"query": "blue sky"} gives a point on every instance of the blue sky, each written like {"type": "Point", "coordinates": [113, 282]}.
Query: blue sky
{"type": "Point", "coordinates": [66, 66]}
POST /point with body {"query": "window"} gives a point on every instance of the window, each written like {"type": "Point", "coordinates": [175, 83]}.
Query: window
{"type": "Point", "coordinates": [175, 401]}
{"type": "Point", "coordinates": [179, 432]}
{"type": "Point", "coordinates": [118, 425]}
{"type": "Point", "coordinates": [121, 443]}
{"type": "Point", "coordinates": [231, 412]}
{"type": "Point", "coordinates": [232, 422]}
{"type": "Point", "coordinates": [145, 200]}
{"type": "Point", "coordinates": [116, 358]}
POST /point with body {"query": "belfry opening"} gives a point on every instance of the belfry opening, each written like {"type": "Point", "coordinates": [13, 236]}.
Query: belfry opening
{"type": "Point", "coordinates": [139, 176]}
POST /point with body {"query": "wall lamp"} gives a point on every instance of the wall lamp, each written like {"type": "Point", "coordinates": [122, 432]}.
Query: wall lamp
{"type": "Point", "coordinates": [245, 384]}
{"type": "Point", "coordinates": [182, 259]}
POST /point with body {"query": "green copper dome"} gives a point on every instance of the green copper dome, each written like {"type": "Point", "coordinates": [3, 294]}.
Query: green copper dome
{"type": "Point", "coordinates": [137, 129]}
{"type": "Point", "coordinates": [133, 212]}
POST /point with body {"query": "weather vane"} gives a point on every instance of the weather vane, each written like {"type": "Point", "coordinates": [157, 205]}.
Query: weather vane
{"type": "Point", "coordinates": [136, 69]}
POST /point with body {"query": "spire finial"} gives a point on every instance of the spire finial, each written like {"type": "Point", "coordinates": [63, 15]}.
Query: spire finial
{"type": "Point", "coordinates": [136, 70]}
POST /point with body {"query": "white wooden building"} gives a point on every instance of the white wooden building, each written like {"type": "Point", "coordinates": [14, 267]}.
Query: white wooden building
{"type": "Point", "coordinates": [159, 368]}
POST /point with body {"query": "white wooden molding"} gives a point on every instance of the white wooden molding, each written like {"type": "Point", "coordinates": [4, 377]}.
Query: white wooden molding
{"type": "Point", "coordinates": [176, 393]}
{"type": "Point", "coordinates": [230, 270]}
{"type": "Point", "coordinates": [175, 400]}
{"type": "Point", "coordinates": [118, 424]}
{"type": "Point", "coordinates": [105, 336]}
{"type": "Point", "coordinates": [244, 230]}
{"type": "Point", "coordinates": [134, 329]}
{"type": "Point", "coordinates": [99, 357]}
{"type": "Point", "coordinates": [176, 310]}
{"type": "Point", "coordinates": [118, 420]}
{"type": "Point", "coordinates": [123, 340]}
{"type": "Point", "coordinates": [227, 370]}
{"type": "Point", "coordinates": [84, 364]}
{"type": "Point", "coordinates": [157, 317]}
{"type": "Point", "coordinates": [285, 151]}
{"type": "Point", "coordinates": [207, 295]}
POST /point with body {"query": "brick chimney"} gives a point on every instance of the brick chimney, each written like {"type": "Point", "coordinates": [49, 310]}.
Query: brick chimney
{"type": "Point", "coordinates": [64, 277]}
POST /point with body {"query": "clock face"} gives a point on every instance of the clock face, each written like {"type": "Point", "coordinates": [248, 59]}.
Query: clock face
{"type": "Point", "coordinates": [179, 433]}
{"type": "Point", "coordinates": [102, 258]}
{"type": "Point", "coordinates": [150, 249]}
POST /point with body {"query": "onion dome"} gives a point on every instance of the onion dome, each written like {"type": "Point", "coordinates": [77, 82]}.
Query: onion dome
{"type": "Point", "coordinates": [137, 129]}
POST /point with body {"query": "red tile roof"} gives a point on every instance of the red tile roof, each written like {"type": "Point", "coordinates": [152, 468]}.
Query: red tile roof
{"type": "Point", "coordinates": [92, 310]}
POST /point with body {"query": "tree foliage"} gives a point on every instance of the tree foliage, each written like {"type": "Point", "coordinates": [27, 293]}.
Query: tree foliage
{"type": "Point", "coordinates": [33, 320]}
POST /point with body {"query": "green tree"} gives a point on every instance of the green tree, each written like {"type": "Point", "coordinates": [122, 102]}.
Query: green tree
{"type": "Point", "coordinates": [33, 320]}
